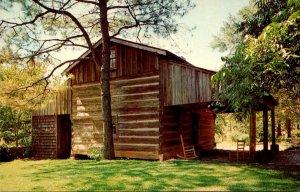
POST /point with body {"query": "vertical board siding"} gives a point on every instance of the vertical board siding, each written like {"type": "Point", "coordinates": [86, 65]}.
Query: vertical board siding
{"type": "Point", "coordinates": [183, 84]}
{"type": "Point", "coordinates": [51, 136]}
{"type": "Point", "coordinates": [129, 61]}
{"type": "Point", "coordinates": [59, 105]}
{"type": "Point", "coordinates": [44, 136]}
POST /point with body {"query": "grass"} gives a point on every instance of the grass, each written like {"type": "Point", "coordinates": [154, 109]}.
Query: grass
{"type": "Point", "coordinates": [134, 175]}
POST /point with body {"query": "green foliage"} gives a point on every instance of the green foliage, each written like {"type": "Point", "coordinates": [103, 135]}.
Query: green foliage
{"type": "Point", "coordinates": [267, 61]}
{"type": "Point", "coordinates": [96, 153]}
{"type": "Point", "coordinates": [232, 127]}
{"type": "Point", "coordinates": [12, 121]}
{"type": "Point", "coordinates": [19, 82]}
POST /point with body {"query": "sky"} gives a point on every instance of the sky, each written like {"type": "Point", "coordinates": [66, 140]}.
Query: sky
{"type": "Point", "coordinates": [208, 17]}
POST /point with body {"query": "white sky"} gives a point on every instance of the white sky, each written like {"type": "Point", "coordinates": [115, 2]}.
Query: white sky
{"type": "Point", "coordinates": [207, 17]}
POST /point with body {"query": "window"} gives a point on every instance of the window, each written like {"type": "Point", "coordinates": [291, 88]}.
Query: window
{"type": "Point", "coordinates": [113, 63]}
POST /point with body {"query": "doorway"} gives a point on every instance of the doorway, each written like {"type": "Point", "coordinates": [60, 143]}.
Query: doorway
{"type": "Point", "coordinates": [195, 128]}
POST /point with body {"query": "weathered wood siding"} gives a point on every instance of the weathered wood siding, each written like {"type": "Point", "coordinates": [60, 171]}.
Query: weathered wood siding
{"type": "Point", "coordinates": [135, 105]}
{"type": "Point", "coordinates": [206, 134]}
{"type": "Point", "coordinates": [44, 136]}
{"type": "Point", "coordinates": [170, 131]}
{"type": "Point", "coordinates": [184, 84]}
{"type": "Point", "coordinates": [51, 136]}
{"type": "Point", "coordinates": [59, 105]}
{"type": "Point", "coordinates": [141, 84]}
{"type": "Point", "coordinates": [129, 62]}
{"type": "Point", "coordinates": [87, 129]}
{"type": "Point", "coordinates": [177, 120]}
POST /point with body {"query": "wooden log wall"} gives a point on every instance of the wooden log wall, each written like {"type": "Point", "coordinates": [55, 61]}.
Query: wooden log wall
{"type": "Point", "coordinates": [177, 120]}
{"type": "Point", "coordinates": [174, 121]}
{"type": "Point", "coordinates": [135, 102]}
{"type": "Point", "coordinates": [184, 84]}
{"type": "Point", "coordinates": [44, 136]}
{"type": "Point", "coordinates": [141, 84]}
{"type": "Point", "coordinates": [206, 134]}
{"type": "Point", "coordinates": [135, 105]}
{"type": "Point", "coordinates": [87, 129]}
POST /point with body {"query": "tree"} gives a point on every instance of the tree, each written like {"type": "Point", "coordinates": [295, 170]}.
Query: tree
{"type": "Point", "coordinates": [49, 26]}
{"type": "Point", "coordinates": [14, 126]}
{"type": "Point", "coordinates": [267, 60]}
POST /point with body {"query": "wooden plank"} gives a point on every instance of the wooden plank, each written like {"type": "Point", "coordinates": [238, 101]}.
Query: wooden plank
{"type": "Point", "coordinates": [136, 147]}
{"type": "Point", "coordinates": [138, 124]}
{"type": "Point", "coordinates": [137, 154]}
{"type": "Point", "coordinates": [139, 132]}
{"type": "Point", "coordinates": [136, 80]}
{"type": "Point", "coordinates": [138, 139]}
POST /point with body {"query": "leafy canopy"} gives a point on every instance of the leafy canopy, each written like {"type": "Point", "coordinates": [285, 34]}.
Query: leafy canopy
{"type": "Point", "coordinates": [267, 60]}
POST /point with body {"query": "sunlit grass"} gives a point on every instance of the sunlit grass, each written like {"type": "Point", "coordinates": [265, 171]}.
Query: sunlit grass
{"type": "Point", "coordinates": [70, 175]}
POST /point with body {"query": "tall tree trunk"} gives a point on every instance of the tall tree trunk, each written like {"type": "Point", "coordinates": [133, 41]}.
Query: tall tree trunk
{"type": "Point", "coordinates": [288, 125]}
{"type": "Point", "coordinates": [279, 134]}
{"type": "Point", "coordinates": [105, 87]}
{"type": "Point", "coordinates": [17, 128]}
{"type": "Point", "coordinates": [252, 135]}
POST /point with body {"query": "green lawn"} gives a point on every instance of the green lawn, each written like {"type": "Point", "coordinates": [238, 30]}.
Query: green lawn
{"type": "Point", "coordinates": [54, 175]}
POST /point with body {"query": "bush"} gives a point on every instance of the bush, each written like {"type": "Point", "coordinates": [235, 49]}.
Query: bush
{"type": "Point", "coordinates": [96, 153]}
{"type": "Point", "coordinates": [5, 154]}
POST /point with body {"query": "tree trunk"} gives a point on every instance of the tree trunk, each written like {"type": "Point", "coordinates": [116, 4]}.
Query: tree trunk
{"type": "Point", "coordinates": [252, 135]}
{"type": "Point", "coordinates": [279, 134]}
{"type": "Point", "coordinates": [17, 128]}
{"type": "Point", "coordinates": [288, 124]}
{"type": "Point", "coordinates": [108, 151]}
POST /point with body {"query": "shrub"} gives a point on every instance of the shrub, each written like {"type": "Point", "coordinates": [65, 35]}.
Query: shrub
{"type": "Point", "coordinates": [96, 153]}
{"type": "Point", "coordinates": [5, 154]}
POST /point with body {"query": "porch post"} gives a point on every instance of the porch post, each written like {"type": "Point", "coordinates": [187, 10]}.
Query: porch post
{"type": "Point", "coordinates": [274, 147]}
{"type": "Point", "coordinates": [273, 126]}
{"type": "Point", "coordinates": [252, 134]}
{"type": "Point", "coordinates": [265, 129]}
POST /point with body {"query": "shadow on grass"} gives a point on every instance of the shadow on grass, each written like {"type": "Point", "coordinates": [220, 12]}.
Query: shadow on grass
{"type": "Point", "coordinates": [169, 175]}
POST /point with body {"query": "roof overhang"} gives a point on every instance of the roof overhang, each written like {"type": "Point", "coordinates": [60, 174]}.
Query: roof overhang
{"type": "Point", "coordinates": [265, 103]}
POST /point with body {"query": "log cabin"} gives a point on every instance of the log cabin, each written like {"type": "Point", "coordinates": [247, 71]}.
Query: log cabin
{"type": "Point", "coordinates": [156, 96]}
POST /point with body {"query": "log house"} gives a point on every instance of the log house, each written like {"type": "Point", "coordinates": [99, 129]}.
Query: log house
{"type": "Point", "coordinates": [156, 96]}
